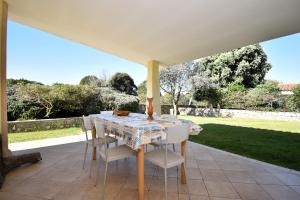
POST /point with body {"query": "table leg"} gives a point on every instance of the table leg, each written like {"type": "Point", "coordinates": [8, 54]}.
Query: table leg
{"type": "Point", "coordinates": [94, 148]}
{"type": "Point", "coordinates": [183, 165]}
{"type": "Point", "coordinates": [140, 175]}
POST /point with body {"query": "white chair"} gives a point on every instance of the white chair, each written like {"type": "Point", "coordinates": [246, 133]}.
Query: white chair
{"type": "Point", "coordinates": [168, 117]}
{"type": "Point", "coordinates": [87, 126]}
{"type": "Point", "coordinates": [165, 158]}
{"type": "Point", "coordinates": [161, 143]}
{"type": "Point", "coordinates": [109, 154]}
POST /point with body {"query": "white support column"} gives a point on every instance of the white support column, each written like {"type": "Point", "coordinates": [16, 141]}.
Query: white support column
{"type": "Point", "coordinates": [3, 95]}
{"type": "Point", "coordinates": [153, 88]}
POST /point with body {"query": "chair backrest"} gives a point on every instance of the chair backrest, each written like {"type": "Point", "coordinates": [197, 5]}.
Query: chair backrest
{"type": "Point", "coordinates": [87, 124]}
{"type": "Point", "coordinates": [177, 133]}
{"type": "Point", "coordinates": [168, 117]}
{"type": "Point", "coordinates": [100, 129]}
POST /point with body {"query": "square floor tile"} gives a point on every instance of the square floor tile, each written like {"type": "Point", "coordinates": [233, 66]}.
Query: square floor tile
{"type": "Point", "coordinates": [239, 177]}
{"type": "Point", "coordinates": [280, 192]}
{"type": "Point", "coordinates": [266, 178]}
{"type": "Point", "coordinates": [288, 179]}
{"type": "Point", "coordinates": [251, 191]}
{"type": "Point", "coordinates": [220, 189]}
{"type": "Point", "coordinates": [214, 175]}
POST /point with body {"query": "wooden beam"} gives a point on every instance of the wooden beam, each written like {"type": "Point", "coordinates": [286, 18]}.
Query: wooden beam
{"type": "Point", "coordinates": [7, 161]}
{"type": "Point", "coordinates": [94, 136]}
{"type": "Point", "coordinates": [3, 95]}
{"type": "Point", "coordinates": [3, 114]}
{"type": "Point", "coordinates": [183, 165]}
{"type": "Point", "coordinates": [141, 173]}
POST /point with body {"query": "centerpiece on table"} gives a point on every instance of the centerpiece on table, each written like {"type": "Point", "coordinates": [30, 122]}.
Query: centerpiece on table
{"type": "Point", "coordinates": [120, 112]}
{"type": "Point", "coordinates": [150, 109]}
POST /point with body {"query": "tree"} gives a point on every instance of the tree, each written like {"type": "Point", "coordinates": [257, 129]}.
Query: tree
{"type": "Point", "coordinates": [114, 100]}
{"type": "Point", "coordinates": [12, 82]}
{"type": "Point", "coordinates": [246, 66]}
{"type": "Point", "coordinates": [123, 83]}
{"type": "Point", "coordinates": [40, 94]}
{"type": "Point", "coordinates": [92, 81]}
{"type": "Point", "coordinates": [270, 85]}
{"type": "Point", "coordinates": [175, 81]}
{"type": "Point", "coordinates": [75, 100]}
{"type": "Point", "coordinates": [234, 87]}
{"type": "Point", "coordinates": [295, 99]}
{"type": "Point", "coordinates": [261, 97]}
{"type": "Point", "coordinates": [203, 88]}
{"type": "Point", "coordinates": [142, 91]}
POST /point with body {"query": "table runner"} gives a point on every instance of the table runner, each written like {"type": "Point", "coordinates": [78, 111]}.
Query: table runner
{"type": "Point", "coordinates": [136, 130]}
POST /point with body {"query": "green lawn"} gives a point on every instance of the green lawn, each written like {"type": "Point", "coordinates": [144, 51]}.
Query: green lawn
{"type": "Point", "coordinates": [38, 135]}
{"type": "Point", "coordinates": [272, 141]}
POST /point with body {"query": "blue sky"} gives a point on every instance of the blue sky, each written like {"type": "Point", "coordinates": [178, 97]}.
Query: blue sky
{"type": "Point", "coordinates": [39, 56]}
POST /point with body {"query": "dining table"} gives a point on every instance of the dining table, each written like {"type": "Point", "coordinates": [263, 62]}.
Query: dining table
{"type": "Point", "coordinates": [136, 131]}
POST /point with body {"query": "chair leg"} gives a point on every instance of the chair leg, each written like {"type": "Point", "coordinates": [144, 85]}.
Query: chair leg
{"type": "Point", "coordinates": [91, 166]}
{"type": "Point", "coordinates": [97, 170]}
{"type": "Point", "coordinates": [188, 190]}
{"type": "Point", "coordinates": [146, 146]}
{"type": "Point", "coordinates": [174, 147]}
{"type": "Point", "coordinates": [155, 170]}
{"type": "Point", "coordinates": [116, 143]}
{"type": "Point", "coordinates": [85, 152]}
{"type": "Point", "coordinates": [104, 181]}
{"type": "Point", "coordinates": [166, 183]}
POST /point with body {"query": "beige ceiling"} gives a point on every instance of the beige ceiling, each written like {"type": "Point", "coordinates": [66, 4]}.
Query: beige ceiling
{"type": "Point", "coordinates": [169, 31]}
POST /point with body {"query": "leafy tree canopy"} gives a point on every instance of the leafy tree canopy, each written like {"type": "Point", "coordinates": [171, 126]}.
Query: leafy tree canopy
{"type": "Point", "coordinates": [233, 87]}
{"type": "Point", "coordinates": [295, 99]}
{"type": "Point", "coordinates": [142, 91]}
{"type": "Point", "coordinates": [176, 80]}
{"type": "Point", "coordinates": [92, 81]}
{"type": "Point", "coordinates": [246, 66]}
{"type": "Point", "coordinates": [12, 82]}
{"type": "Point", "coordinates": [270, 86]}
{"type": "Point", "coordinates": [124, 83]}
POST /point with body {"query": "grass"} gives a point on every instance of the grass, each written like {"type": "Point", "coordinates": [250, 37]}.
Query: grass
{"type": "Point", "coordinates": [272, 141]}
{"type": "Point", "coordinates": [38, 135]}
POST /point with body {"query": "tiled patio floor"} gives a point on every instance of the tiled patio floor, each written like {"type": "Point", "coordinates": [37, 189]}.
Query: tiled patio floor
{"type": "Point", "coordinates": [212, 174]}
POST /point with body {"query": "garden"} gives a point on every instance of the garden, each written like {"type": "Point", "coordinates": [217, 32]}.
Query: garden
{"type": "Point", "coordinates": [232, 80]}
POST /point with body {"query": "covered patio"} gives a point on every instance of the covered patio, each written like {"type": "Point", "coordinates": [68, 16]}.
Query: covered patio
{"type": "Point", "coordinates": [212, 174]}
{"type": "Point", "coordinates": [155, 34]}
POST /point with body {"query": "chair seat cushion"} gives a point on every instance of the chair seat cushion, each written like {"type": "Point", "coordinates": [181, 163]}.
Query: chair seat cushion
{"type": "Point", "coordinates": [157, 157]}
{"type": "Point", "coordinates": [117, 153]}
{"type": "Point", "coordinates": [109, 140]}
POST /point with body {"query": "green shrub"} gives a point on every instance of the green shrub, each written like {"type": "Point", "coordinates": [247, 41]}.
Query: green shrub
{"type": "Point", "coordinates": [114, 100]}
{"type": "Point", "coordinates": [236, 88]}
{"type": "Point", "coordinates": [294, 100]}
{"type": "Point", "coordinates": [270, 86]}
{"type": "Point", "coordinates": [233, 100]}
{"type": "Point", "coordinates": [92, 81]}
{"type": "Point", "coordinates": [21, 109]}
{"type": "Point", "coordinates": [75, 100]}
{"type": "Point", "coordinates": [142, 91]}
{"type": "Point", "coordinates": [124, 83]}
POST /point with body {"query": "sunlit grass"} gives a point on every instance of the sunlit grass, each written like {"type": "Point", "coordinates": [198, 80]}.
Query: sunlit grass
{"type": "Point", "coordinates": [38, 135]}
{"type": "Point", "coordinates": [272, 141]}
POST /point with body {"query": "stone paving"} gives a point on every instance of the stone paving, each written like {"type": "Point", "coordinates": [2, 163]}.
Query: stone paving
{"type": "Point", "coordinates": [212, 175]}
